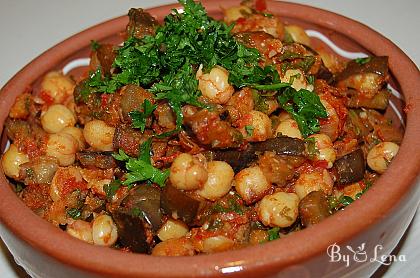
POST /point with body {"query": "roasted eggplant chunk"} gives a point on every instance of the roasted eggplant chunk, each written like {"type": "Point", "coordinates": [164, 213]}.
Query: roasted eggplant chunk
{"type": "Point", "coordinates": [177, 204]}
{"type": "Point", "coordinates": [350, 168]}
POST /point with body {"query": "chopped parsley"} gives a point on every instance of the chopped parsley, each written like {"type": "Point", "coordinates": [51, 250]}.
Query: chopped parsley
{"type": "Point", "coordinates": [310, 79]}
{"type": "Point", "coordinates": [74, 213]}
{"type": "Point", "coordinates": [166, 65]}
{"type": "Point", "coordinates": [273, 233]}
{"type": "Point", "coordinates": [141, 168]}
{"type": "Point", "coordinates": [111, 188]}
{"type": "Point", "coordinates": [362, 61]}
{"type": "Point", "coordinates": [138, 118]}
{"type": "Point", "coordinates": [137, 212]}
{"type": "Point", "coordinates": [305, 107]}
{"type": "Point", "coordinates": [311, 148]}
{"type": "Point", "coordinates": [231, 205]}
{"type": "Point", "coordinates": [249, 130]}
{"type": "Point", "coordinates": [94, 45]}
{"type": "Point", "coordinates": [343, 201]}
{"type": "Point", "coordinates": [19, 187]}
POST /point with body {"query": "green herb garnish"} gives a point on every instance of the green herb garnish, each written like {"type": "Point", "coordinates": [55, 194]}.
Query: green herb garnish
{"type": "Point", "coordinates": [343, 201]}
{"type": "Point", "coordinates": [74, 213]}
{"type": "Point", "coordinates": [111, 188]}
{"type": "Point", "coordinates": [164, 63]}
{"type": "Point", "coordinates": [141, 168]}
{"type": "Point", "coordinates": [94, 45]}
{"type": "Point", "coordinates": [311, 148]}
{"type": "Point", "coordinates": [310, 79]}
{"type": "Point", "coordinates": [273, 233]}
{"type": "Point", "coordinates": [249, 130]}
{"type": "Point", "coordinates": [139, 118]}
{"type": "Point", "coordinates": [19, 187]}
{"type": "Point", "coordinates": [305, 108]}
{"type": "Point", "coordinates": [137, 212]}
{"type": "Point", "coordinates": [362, 61]}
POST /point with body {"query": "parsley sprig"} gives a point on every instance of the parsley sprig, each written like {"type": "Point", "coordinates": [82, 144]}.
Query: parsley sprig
{"type": "Point", "coordinates": [166, 64]}
{"type": "Point", "coordinates": [139, 118]}
{"type": "Point", "coordinates": [305, 108]}
{"type": "Point", "coordinates": [141, 168]}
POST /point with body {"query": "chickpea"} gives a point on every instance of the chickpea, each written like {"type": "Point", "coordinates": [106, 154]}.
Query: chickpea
{"type": "Point", "coordinates": [314, 181]}
{"type": "Point", "coordinates": [174, 247]}
{"type": "Point", "coordinates": [104, 231]}
{"type": "Point", "coordinates": [290, 128]}
{"type": "Point", "coordinates": [217, 244]}
{"type": "Point", "coordinates": [63, 147]}
{"type": "Point", "coordinates": [81, 229]}
{"type": "Point", "coordinates": [234, 13]}
{"type": "Point", "coordinates": [56, 118]}
{"type": "Point", "coordinates": [215, 86]}
{"type": "Point", "coordinates": [77, 134]}
{"type": "Point", "coordinates": [298, 78]}
{"type": "Point", "coordinates": [57, 86]}
{"type": "Point", "coordinates": [187, 172]}
{"type": "Point", "coordinates": [324, 149]}
{"type": "Point", "coordinates": [11, 161]}
{"type": "Point", "coordinates": [298, 34]}
{"type": "Point", "coordinates": [219, 180]}
{"type": "Point", "coordinates": [172, 229]}
{"type": "Point", "coordinates": [381, 155]}
{"type": "Point", "coordinates": [99, 135]}
{"type": "Point", "coordinates": [279, 209]}
{"type": "Point", "coordinates": [260, 125]}
{"type": "Point", "coordinates": [251, 184]}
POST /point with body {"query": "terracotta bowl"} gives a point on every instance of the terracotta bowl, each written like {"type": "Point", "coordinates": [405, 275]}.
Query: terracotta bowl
{"type": "Point", "coordinates": [380, 217]}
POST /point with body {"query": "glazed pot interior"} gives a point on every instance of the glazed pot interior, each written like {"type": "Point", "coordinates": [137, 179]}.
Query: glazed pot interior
{"type": "Point", "coordinates": [260, 259]}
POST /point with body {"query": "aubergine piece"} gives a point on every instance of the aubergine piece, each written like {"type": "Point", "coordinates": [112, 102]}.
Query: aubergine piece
{"type": "Point", "coordinates": [39, 170]}
{"type": "Point", "coordinates": [17, 129]}
{"type": "Point", "coordinates": [366, 76]}
{"type": "Point", "coordinates": [235, 158]}
{"type": "Point", "coordinates": [140, 23]}
{"type": "Point", "coordinates": [379, 101]}
{"type": "Point", "coordinates": [133, 231]}
{"type": "Point", "coordinates": [323, 72]}
{"type": "Point", "coordinates": [132, 98]}
{"type": "Point", "coordinates": [350, 168]}
{"type": "Point", "coordinates": [281, 145]}
{"type": "Point", "coordinates": [145, 199]}
{"type": "Point", "coordinates": [101, 160]}
{"type": "Point", "coordinates": [129, 139]}
{"type": "Point", "coordinates": [313, 208]}
{"type": "Point", "coordinates": [177, 204]}
{"type": "Point", "coordinates": [106, 55]}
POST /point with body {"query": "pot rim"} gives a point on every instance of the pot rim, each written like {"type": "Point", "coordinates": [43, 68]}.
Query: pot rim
{"type": "Point", "coordinates": [392, 186]}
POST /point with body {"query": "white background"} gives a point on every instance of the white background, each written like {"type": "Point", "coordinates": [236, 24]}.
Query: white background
{"type": "Point", "coordinates": [29, 27]}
